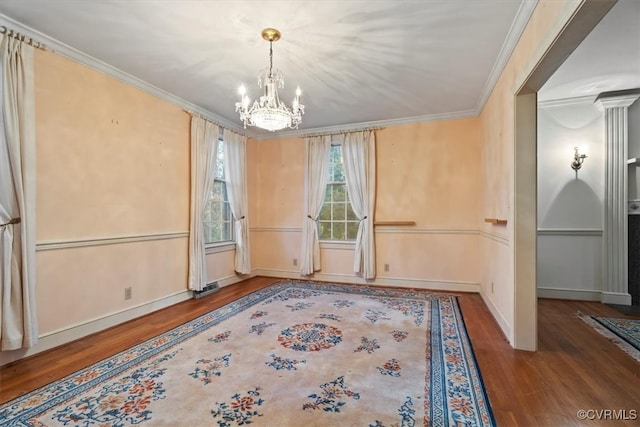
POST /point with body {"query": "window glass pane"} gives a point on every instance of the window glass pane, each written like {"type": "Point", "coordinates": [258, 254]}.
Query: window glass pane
{"type": "Point", "coordinates": [214, 232]}
{"type": "Point", "coordinates": [226, 212]}
{"type": "Point", "coordinates": [339, 192]}
{"type": "Point", "coordinates": [327, 194]}
{"type": "Point", "coordinates": [338, 211]}
{"type": "Point", "coordinates": [206, 217]}
{"type": "Point", "coordinates": [217, 191]}
{"type": "Point", "coordinates": [352, 230]}
{"type": "Point", "coordinates": [207, 231]}
{"type": "Point", "coordinates": [325, 213]}
{"type": "Point", "coordinates": [216, 211]}
{"type": "Point", "coordinates": [217, 219]}
{"type": "Point", "coordinates": [227, 231]}
{"type": "Point", "coordinates": [351, 216]}
{"type": "Point", "coordinates": [220, 160]}
{"type": "Point", "coordinates": [324, 230]}
{"type": "Point", "coordinates": [338, 174]}
{"type": "Point", "coordinates": [334, 154]}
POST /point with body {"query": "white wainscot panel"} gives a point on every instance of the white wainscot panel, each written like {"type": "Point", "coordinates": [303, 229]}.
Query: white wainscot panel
{"type": "Point", "coordinates": [570, 264]}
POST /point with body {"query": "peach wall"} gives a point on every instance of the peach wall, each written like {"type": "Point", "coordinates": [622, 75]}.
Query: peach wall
{"type": "Point", "coordinates": [112, 162]}
{"type": "Point", "coordinates": [427, 172]}
{"type": "Point", "coordinates": [498, 134]}
{"type": "Point", "coordinates": [280, 172]}
{"type": "Point", "coordinates": [77, 285]}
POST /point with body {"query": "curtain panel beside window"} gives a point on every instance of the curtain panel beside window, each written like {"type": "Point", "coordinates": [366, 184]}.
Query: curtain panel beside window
{"type": "Point", "coordinates": [204, 140]}
{"type": "Point", "coordinates": [18, 317]}
{"type": "Point", "coordinates": [316, 174]}
{"type": "Point", "coordinates": [235, 149]}
{"type": "Point", "coordinates": [359, 154]}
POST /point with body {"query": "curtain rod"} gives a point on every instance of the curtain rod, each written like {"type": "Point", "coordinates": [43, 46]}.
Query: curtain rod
{"type": "Point", "coordinates": [21, 37]}
{"type": "Point", "coordinates": [203, 117]}
{"type": "Point", "coordinates": [309, 135]}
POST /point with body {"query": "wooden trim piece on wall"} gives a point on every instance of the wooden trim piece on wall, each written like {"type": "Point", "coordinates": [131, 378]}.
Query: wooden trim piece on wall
{"type": "Point", "coordinates": [82, 243]}
{"type": "Point", "coordinates": [496, 221]}
{"type": "Point", "coordinates": [394, 223]}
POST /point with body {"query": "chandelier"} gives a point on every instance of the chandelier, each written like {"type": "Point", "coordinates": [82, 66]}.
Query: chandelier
{"type": "Point", "coordinates": [268, 112]}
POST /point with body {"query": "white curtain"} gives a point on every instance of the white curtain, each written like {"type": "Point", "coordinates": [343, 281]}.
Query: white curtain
{"type": "Point", "coordinates": [18, 320]}
{"type": "Point", "coordinates": [316, 174]}
{"type": "Point", "coordinates": [204, 142]}
{"type": "Point", "coordinates": [235, 171]}
{"type": "Point", "coordinates": [359, 155]}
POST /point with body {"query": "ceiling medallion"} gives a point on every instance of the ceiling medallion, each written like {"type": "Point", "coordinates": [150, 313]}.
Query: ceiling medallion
{"type": "Point", "coordinates": [268, 112]}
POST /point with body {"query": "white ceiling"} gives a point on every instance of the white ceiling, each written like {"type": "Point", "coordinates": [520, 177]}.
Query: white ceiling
{"type": "Point", "coordinates": [608, 59]}
{"type": "Point", "coordinates": [356, 61]}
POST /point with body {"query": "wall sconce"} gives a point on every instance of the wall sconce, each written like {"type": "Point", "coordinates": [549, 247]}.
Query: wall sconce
{"type": "Point", "coordinates": [578, 159]}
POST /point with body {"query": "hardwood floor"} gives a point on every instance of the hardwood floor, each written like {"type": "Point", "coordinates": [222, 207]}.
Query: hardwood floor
{"type": "Point", "coordinates": [575, 367]}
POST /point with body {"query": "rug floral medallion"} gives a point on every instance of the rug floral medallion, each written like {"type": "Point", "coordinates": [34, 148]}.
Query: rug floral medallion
{"type": "Point", "coordinates": [294, 354]}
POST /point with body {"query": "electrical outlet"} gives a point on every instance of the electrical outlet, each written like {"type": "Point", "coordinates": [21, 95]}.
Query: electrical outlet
{"type": "Point", "coordinates": [386, 267]}
{"type": "Point", "coordinates": [295, 262]}
{"type": "Point", "coordinates": [127, 293]}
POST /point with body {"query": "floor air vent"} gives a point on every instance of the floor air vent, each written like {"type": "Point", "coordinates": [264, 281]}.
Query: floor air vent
{"type": "Point", "coordinates": [209, 289]}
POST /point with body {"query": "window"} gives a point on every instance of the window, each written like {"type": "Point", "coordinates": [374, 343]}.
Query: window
{"type": "Point", "coordinates": [218, 223]}
{"type": "Point", "coordinates": [337, 221]}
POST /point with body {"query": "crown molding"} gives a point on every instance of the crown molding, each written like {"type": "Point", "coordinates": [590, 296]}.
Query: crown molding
{"type": "Point", "coordinates": [567, 102]}
{"type": "Point", "coordinates": [515, 32]}
{"type": "Point", "coordinates": [354, 127]}
{"type": "Point", "coordinates": [80, 57]}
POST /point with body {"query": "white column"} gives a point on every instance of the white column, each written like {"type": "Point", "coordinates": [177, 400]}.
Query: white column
{"type": "Point", "coordinates": [615, 287]}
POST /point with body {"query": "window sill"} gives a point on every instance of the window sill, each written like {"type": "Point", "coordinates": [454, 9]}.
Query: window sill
{"type": "Point", "coordinates": [214, 248]}
{"type": "Point", "coordinates": [345, 245]}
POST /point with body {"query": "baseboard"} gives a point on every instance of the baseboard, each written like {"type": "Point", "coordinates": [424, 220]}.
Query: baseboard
{"type": "Point", "coordinates": [615, 298]}
{"type": "Point", "coordinates": [570, 294]}
{"type": "Point", "coordinates": [62, 336]}
{"type": "Point", "coordinates": [436, 285]}
{"type": "Point", "coordinates": [498, 316]}
{"type": "Point", "coordinates": [230, 280]}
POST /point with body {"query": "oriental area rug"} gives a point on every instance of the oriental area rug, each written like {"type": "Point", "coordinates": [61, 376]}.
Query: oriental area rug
{"type": "Point", "coordinates": [294, 354]}
{"type": "Point", "coordinates": [625, 333]}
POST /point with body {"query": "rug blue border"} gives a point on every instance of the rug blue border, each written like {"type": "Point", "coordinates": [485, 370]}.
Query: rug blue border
{"type": "Point", "coordinates": [467, 342]}
{"type": "Point", "coordinates": [620, 333]}
{"type": "Point", "coordinates": [146, 351]}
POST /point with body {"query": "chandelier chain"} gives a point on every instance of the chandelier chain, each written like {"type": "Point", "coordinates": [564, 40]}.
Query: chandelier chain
{"type": "Point", "coordinates": [270, 59]}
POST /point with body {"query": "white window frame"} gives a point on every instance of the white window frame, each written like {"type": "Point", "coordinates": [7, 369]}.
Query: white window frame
{"type": "Point", "coordinates": [221, 245]}
{"type": "Point", "coordinates": [335, 243]}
